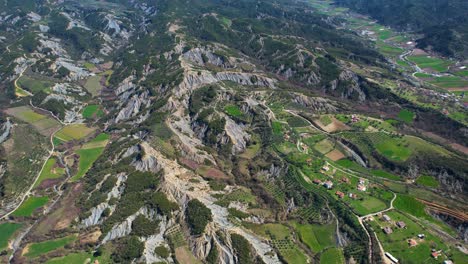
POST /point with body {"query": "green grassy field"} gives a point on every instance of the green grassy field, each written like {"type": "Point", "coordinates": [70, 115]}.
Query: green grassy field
{"type": "Point", "coordinates": [368, 205]}
{"type": "Point", "coordinates": [93, 85]}
{"type": "Point", "coordinates": [89, 154]}
{"type": "Point", "coordinates": [50, 172]}
{"type": "Point", "coordinates": [332, 256]}
{"type": "Point", "coordinates": [449, 82]}
{"type": "Point", "coordinates": [38, 249]}
{"type": "Point", "coordinates": [273, 231]}
{"type": "Point", "coordinates": [316, 237]}
{"type": "Point", "coordinates": [277, 127]}
{"type": "Point", "coordinates": [324, 146]}
{"type": "Point", "coordinates": [26, 114]}
{"type": "Point", "coordinates": [422, 75]}
{"type": "Point", "coordinates": [384, 174]}
{"type": "Point", "coordinates": [87, 158]}
{"type": "Point", "coordinates": [406, 116]}
{"type": "Point", "coordinates": [325, 120]}
{"type": "Point", "coordinates": [92, 111]}
{"type": "Point", "coordinates": [463, 73]}
{"type": "Point", "coordinates": [75, 131]}
{"type": "Point", "coordinates": [388, 50]}
{"type": "Point", "coordinates": [6, 231]}
{"type": "Point", "coordinates": [435, 64]}
{"type": "Point", "coordinates": [74, 258]}
{"type": "Point", "coordinates": [233, 110]}
{"type": "Point", "coordinates": [82, 257]}
{"type": "Point", "coordinates": [35, 85]}
{"type": "Point", "coordinates": [428, 181]}
{"type": "Point", "coordinates": [410, 205]}
{"type": "Point", "coordinates": [392, 150]}
{"type": "Point", "coordinates": [391, 147]}
{"type": "Point", "coordinates": [28, 207]}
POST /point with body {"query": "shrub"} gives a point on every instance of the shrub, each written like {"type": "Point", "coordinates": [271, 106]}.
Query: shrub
{"type": "Point", "coordinates": [162, 251]}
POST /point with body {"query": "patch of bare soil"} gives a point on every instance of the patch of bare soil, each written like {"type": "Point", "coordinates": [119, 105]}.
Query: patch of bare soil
{"type": "Point", "coordinates": [189, 163]}
{"type": "Point", "coordinates": [335, 155]}
{"type": "Point", "coordinates": [335, 125]}
{"type": "Point", "coordinates": [90, 238]}
{"type": "Point", "coordinates": [457, 89]}
{"type": "Point", "coordinates": [49, 183]}
{"type": "Point", "coordinates": [63, 213]}
{"type": "Point", "coordinates": [417, 52]}
{"type": "Point", "coordinates": [183, 255]}
{"type": "Point", "coordinates": [216, 174]}
{"type": "Point", "coordinates": [459, 148]}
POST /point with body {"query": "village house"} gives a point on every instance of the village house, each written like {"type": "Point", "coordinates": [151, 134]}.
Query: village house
{"type": "Point", "coordinates": [435, 254]}
{"type": "Point", "coordinates": [386, 218]}
{"type": "Point", "coordinates": [362, 181]}
{"type": "Point", "coordinates": [317, 181]}
{"type": "Point", "coordinates": [328, 184]}
{"type": "Point", "coordinates": [354, 118]}
{"type": "Point", "coordinates": [345, 180]}
{"type": "Point", "coordinates": [387, 230]}
{"type": "Point", "coordinates": [401, 224]}
{"type": "Point", "coordinates": [421, 236]}
{"type": "Point", "coordinates": [412, 242]}
{"type": "Point", "coordinates": [325, 167]}
{"type": "Point", "coordinates": [352, 196]}
{"type": "Point", "coordinates": [340, 194]}
{"type": "Point", "coordinates": [361, 188]}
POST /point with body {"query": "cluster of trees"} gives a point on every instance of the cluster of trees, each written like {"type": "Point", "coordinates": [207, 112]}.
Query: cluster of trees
{"type": "Point", "coordinates": [198, 216]}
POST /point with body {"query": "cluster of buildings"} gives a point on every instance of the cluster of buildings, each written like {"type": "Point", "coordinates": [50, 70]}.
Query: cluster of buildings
{"type": "Point", "coordinates": [388, 230]}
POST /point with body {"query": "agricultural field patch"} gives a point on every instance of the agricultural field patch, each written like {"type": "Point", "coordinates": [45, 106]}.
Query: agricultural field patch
{"type": "Point", "coordinates": [334, 126]}
{"type": "Point", "coordinates": [42, 123]}
{"type": "Point", "coordinates": [433, 63]}
{"type": "Point", "coordinates": [87, 158]}
{"type": "Point", "coordinates": [406, 116]}
{"type": "Point", "coordinates": [427, 181]}
{"type": "Point", "coordinates": [30, 205]}
{"type": "Point", "coordinates": [50, 171]}
{"type": "Point", "coordinates": [449, 82]}
{"type": "Point", "coordinates": [92, 111]}
{"type": "Point", "coordinates": [384, 174]}
{"type": "Point", "coordinates": [463, 73]}
{"type": "Point", "coordinates": [324, 146]}
{"type": "Point", "coordinates": [35, 85]}
{"type": "Point", "coordinates": [368, 205]}
{"type": "Point", "coordinates": [392, 147]}
{"type": "Point", "coordinates": [6, 231]}
{"type": "Point", "coordinates": [93, 85]}
{"type": "Point", "coordinates": [316, 237]}
{"type": "Point", "coordinates": [332, 256]}
{"type": "Point", "coordinates": [74, 132]}
{"type": "Point", "coordinates": [37, 249]}
{"type": "Point", "coordinates": [335, 155]}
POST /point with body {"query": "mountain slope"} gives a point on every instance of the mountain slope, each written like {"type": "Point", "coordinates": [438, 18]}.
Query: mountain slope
{"type": "Point", "coordinates": [208, 132]}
